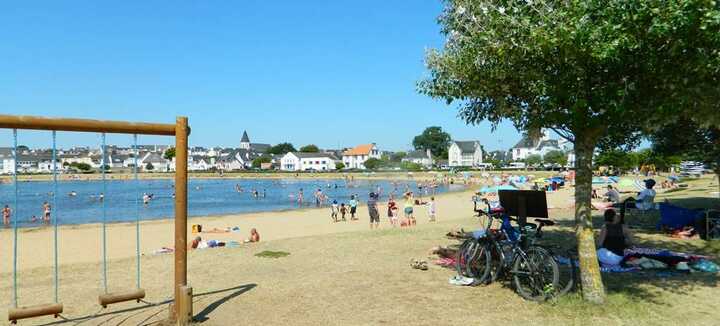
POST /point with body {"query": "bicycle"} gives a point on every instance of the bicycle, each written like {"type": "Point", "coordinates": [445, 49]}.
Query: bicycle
{"type": "Point", "coordinates": [533, 269]}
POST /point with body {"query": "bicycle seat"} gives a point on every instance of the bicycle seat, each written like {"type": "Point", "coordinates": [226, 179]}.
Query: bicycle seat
{"type": "Point", "coordinates": [544, 222]}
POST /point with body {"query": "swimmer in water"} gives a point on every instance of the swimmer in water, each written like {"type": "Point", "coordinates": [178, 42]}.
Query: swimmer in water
{"type": "Point", "coordinates": [72, 193]}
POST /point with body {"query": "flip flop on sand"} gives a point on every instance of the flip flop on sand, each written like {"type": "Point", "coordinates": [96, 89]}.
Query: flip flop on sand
{"type": "Point", "coordinates": [419, 264]}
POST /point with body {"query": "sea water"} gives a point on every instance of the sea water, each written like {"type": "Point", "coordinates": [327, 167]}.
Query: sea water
{"type": "Point", "coordinates": [123, 198]}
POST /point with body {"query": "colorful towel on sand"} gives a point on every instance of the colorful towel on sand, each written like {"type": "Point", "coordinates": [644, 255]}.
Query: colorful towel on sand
{"type": "Point", "coordinates": [662, 253]}
{"type": "Point", "coordinates": [445, 262]}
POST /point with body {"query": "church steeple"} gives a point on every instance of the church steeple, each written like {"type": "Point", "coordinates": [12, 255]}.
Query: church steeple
{"type": "Point", "coordinates": [245, 141]}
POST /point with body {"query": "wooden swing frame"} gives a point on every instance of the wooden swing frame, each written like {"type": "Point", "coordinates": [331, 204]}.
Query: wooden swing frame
{"type": "Point", "coordinates": [181, 310]}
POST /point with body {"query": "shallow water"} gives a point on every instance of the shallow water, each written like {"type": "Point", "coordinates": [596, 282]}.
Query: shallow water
{"type": "Point", "coordinates": [123, 199]}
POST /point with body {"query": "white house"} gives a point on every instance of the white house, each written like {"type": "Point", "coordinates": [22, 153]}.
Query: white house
{"type": "Point", "coordinates": [298, 161]}
{"type": "Point", "coordinates": [465, 153]}
{"type": "Point", "coordinates": [540, 146]}
{"type": "Point", "coordinates": [355, 158]}
{"type": "Point", "coordinates": [159, 164]}
{"type": "Point", "coordinates": [423, 158]}
{"type": "Point", "coordinates": [229, 162]}
{"type": "Point", "coordinates": [199, 163]}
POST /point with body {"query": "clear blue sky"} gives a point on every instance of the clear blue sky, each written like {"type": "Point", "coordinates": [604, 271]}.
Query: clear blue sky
{"type": "Point", "coordinates": [333, 73]}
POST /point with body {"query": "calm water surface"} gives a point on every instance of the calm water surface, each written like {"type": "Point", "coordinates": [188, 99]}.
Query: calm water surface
{"type": "Point", "coordinates": [123, 199]}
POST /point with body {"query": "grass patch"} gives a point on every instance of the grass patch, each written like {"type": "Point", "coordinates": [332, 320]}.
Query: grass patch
{"type": "Point", "coordinates": [272, 254]}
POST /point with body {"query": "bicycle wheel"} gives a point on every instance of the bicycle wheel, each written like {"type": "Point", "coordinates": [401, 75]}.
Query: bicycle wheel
{"type": "Point", "coordinates": [479, 263]}
{"type": "Point", "coordinates": [462, 257]}
{"type": "Point", "coordinates": [568, 272]}
{"type": "Point", "coordinates": [536, 274]}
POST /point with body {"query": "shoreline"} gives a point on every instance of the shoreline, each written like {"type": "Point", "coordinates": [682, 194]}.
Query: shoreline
{"type": "Point", "coordinates": [383, 175]}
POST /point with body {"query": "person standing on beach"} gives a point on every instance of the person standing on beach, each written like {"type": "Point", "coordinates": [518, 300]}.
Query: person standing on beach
{"type": "Point", "coordinates": [46, 212]}
{"type": "Point", "coordinates": [408, 209]}
{"type": "Point", "coordinates": [392, 211]}
{"type": "Point", "coordinates": [343, 211]}
{"type": "Point", "coordinates": [334, 211]}
{"type": "Point", "coordinates": [353, 207]}
{"type": "Point", "coordinates": [432, 209]}
{"type": "Point", "coordinates": [373, 211]}
{"type": "Point", "coordinates": [300, 197]}
{"type": "Point", "coordinates": [6, 212]}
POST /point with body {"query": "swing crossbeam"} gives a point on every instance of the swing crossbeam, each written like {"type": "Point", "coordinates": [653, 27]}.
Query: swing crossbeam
{"type": "Point", "coordinates": [117, 297]}
{"type": "Point", "coordinates": [54, 309]}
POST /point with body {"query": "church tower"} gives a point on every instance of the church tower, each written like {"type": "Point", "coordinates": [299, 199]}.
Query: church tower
{"type": "Point", "coordinates": [245, 141]}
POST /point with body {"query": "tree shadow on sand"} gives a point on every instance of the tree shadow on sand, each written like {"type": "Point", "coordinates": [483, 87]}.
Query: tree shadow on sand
{"type": "Point", "coordinates": [152, 310]}
{"type": "Point", "coordinates": [648, 285]}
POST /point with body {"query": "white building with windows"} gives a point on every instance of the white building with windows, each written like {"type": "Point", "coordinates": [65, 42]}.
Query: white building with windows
{"type": "Point", "coordinates": [355, 158]}
{"type": "Point", "coordinates": [423, 158]}
{"type": "Point", "coordinates": [299, 161]}
{"type": "Point", "coordinates": [465, 153]}
{"type": "Point", "coordinates": [540, 146]}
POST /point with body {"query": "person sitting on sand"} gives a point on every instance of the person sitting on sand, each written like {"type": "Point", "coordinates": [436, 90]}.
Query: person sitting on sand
{"type": "Point", "coordinates": [254, 236]}
{"type": "Point", "coordinates": [612, 195]}
{"type": "Point", "coordinates": [614, 235]}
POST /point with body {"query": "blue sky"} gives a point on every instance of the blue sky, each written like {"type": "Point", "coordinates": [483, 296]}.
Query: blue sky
{"type": "Point", "coordinates": [333, 73]}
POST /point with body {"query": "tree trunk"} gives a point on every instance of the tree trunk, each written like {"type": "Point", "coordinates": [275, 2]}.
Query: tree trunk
{"type": "Point", "coordinates": [591, 280]}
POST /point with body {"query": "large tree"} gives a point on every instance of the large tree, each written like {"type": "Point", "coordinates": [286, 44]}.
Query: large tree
{"type": "Point", "coordinates": [434, 139]}
{"type": "Point", "coordinates": [281, 148]}
{"type": "Point", "coordinates": [598, 72]}
{"type": "Point", "coordinates": [309, 149]}
{"type": "Point", "coordinates": [555, 157]}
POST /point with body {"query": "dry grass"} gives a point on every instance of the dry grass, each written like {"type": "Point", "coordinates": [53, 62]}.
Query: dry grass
{"type": "Point", "coordinates": [364, 278]}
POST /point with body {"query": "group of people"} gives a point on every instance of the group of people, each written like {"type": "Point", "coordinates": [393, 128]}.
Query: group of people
{"type": "Point", "coordinates": [645, 199]}
{"type": "Point", "coordinates": [339, 210]}
{"type": "Point", "coordinates": [46, 212]}
{"type": "Point", "coordinates": [199, 243]}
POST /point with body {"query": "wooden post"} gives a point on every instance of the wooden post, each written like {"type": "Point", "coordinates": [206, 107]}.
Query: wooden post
{"type": "Point", "coordinates": [181, 159]}
{"type": "Point", "coordinates": [183, 306]}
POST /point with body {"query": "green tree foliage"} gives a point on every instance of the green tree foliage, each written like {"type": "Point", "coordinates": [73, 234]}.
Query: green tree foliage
{"type": "Point", "coordinates": [410, 166]}
{"type": "Point", "coordinates": [397, 156]}
{"type": "Point", "coordinates": [309, 149]}
{"type": "Point", "coordinates": [281, 148]}
{"type": "Point", "coordinates": [435, 139]}
{"type": "Point", "coordinates": [533, 160]}
{"type": "Point", "coordinates": [621, 160]}
{"type": "Point", "coordinates": [84, 167]}
{"type": "Point", "coordinates": [598, 72]}
{"type": "Point", "coordinates": [257, 162]}
{"type": "Point", "coordinates": [339, 166]}
{"type": "Point", "coordinates": [555, 157]}
{"type": "Point", "coordinates": [373, 163]}
{"type": "Point", "coordinates": [169, 153]}
{"type": "Point", "coordinates": [149, 166]}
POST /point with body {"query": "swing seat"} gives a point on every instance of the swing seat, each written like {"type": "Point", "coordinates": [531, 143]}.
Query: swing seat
{"type": "Point", "coordinates": [117, 297]}
{"type": "Point", "coordinates": [16, 314]}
